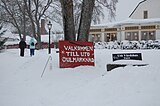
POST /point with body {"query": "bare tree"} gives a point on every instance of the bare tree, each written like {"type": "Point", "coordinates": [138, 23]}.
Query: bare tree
{"type": "Point", "coordinates": [36, 10]}
{"type": "Point", "coordinates": [25, 14]}
{"type": "Point", "coordinates": [110, 5]}
{"type": "Point", "coordinates": [85, 11]}
{"type": "Point", "coordinates": [55, 13]}
{"type": "Point", "coordinates": [13, 13]}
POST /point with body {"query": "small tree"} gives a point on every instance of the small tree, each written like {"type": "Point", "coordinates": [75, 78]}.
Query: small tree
{"type": "Point", "coordinates": [36, 9]}
{"type": "Point", "coordinates": [13, 14]}
{"type": "Point", "coordinates": [25, 14]}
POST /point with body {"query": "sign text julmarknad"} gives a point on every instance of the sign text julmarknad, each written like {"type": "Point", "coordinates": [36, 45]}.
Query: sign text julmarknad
{"type": "Point", "coordinates": [76, 54]}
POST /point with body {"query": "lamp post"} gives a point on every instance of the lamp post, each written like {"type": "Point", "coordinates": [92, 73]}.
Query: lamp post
{"type": "Point", "coordinates": [49, 46]}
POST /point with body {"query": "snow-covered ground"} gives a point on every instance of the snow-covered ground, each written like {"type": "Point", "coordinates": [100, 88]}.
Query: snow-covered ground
{"type": "Point", "coordinates": [21, 83]}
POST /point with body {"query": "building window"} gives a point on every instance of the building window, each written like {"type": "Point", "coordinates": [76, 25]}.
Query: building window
{"type": "Point", "coordinates": [135, 36]}
{"type": "Point", "coordinates": [95, 37]}
{"type": "Point", "coordinates": [132, 36]}
{"type": "Point", "coordinates": [110, 37]}
{"type": "Point", "coordinates": [128, 36]}
{"type": "Point", "coordinates": [148, 27]}
{"type": "Point", "coordinates": [111, 29]}
{"type": "Point", "coordinates": [152, 35]}
{"type": "Point", "coordinates": [145, 14]}
{"type": "Point", "coordinates": [132, 28]}
{"type": "Point", "coordinates": [107, 37]}
{"type": "Point", "coordinates": [144, 35]}
{"type": "Point", "coordinates": [148, 35]}
{"type": "Point", "coordinates": [95, 30]}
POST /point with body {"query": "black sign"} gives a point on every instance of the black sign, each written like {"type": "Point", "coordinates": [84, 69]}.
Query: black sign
{"type": "Point", "coordinates": [127, 56]}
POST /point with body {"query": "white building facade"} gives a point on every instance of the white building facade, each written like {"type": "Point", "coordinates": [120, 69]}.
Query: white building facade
{"type": "Point", "coordinates": [143, 24]}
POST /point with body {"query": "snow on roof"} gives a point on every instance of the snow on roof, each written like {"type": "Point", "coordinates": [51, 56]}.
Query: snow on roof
{"type": "Point", "coordinates": [141, 21]}
{"type": "Point", "coordinates": [128, 21]}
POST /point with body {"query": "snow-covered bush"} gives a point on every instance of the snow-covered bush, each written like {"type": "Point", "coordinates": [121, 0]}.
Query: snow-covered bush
{"type": "Point", "coordinates": [150, 44]}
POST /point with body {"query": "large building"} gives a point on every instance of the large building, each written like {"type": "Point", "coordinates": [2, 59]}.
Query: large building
{"type": "Point", "coordinates": [143, 24]}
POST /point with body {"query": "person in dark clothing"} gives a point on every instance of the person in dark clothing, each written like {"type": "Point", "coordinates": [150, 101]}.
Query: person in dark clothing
{"type": "Point", "coordinates": [22, 46]}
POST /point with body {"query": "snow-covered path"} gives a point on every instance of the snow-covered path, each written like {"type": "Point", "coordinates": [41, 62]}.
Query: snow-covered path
{"type": "Point", "coordinates": [21, 83]}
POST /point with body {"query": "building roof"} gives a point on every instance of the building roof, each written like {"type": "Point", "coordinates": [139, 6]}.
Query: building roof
{"type": "Point", "coordinates": [128, 21]}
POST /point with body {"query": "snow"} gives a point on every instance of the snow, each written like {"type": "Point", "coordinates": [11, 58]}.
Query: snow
{"type": "Point", "coordinates": [129, 62]}
{"type": "Point", "coordinates": [21, 83]}
{"type": "Point", "coordinates": [128, 21]}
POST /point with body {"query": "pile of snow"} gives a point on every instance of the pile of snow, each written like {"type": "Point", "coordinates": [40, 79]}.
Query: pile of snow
{"type": "Point", "coordinates": [21, 83]}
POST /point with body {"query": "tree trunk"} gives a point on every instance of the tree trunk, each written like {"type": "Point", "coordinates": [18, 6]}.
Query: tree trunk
{"type": "Point", "coordinates": [68, 19]}
{"type": "Point", "coordinates": [85, 21]}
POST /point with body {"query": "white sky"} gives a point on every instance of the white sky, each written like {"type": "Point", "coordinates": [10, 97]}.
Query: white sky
{"type": "Point", "coordinates": [124, 8]}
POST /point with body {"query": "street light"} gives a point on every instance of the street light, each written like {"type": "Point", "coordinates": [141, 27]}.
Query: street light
{"type": "Point", "coordinates": [49, 46]}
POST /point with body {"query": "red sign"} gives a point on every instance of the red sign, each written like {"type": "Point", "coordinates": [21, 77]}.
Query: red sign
{"type": "Point", "coordinates": [73, 54]}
